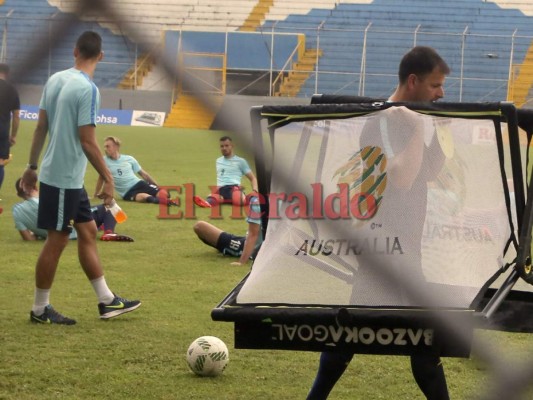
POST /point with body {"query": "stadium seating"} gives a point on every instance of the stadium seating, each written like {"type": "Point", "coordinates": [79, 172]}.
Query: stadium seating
{"type": "Point", "coordinates": [29, 19]}
{"type": "Point", "coordinates": [336, 26]}
{"type": "Point", "coordinates": [152, 17]}
{"type": "Point", "coordinates": [392, 26]}
{"type": "Point", "coordinates": [526, 6]}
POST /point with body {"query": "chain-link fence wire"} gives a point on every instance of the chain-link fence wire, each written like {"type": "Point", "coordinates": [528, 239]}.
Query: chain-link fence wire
{"type": "Point", "coordinates": [511, 376]}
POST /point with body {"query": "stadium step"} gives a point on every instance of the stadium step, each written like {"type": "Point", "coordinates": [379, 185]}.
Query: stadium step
{"type": "Point", "coordinates": [257, 16]}
{"type": "Point", "coordinates": [135, 75]}
{"type": "Point", "coordinates": [521, 82]}
{"type": "Point", "coordinates": [292, 83]}
{"type": "Point", "coordinates": [189, 112]}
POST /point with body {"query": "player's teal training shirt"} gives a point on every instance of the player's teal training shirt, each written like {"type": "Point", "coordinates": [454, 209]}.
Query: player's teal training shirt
{"type": "Point", "coordinates": [123, 170]}
{"type": "Point", "coordinates": [254, 217]}
{"type": "Point", "coordinates": [231, 170]}
{"type": "Point", "coordinates": [71, 100]}
{"type": "Point", "coordinates": [25, 216]}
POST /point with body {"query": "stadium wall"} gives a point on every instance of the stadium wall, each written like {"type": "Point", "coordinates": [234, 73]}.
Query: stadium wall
{"type": "Point", "coordinates": [124, 107]}
{"type": "Point", "coordinates": [241, 105]}
{"type": "Point", "coordinates": [118, 107]}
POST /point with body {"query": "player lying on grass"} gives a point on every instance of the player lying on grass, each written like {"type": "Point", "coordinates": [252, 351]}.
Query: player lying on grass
{"type": "Point", "coordinates": [244, 247]}
{"type": "Point", "coordinates": [25, 216]}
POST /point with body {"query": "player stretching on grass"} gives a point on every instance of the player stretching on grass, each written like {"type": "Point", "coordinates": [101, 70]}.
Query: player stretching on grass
{"type": "Point", "coordinates": [230, 170]}
{"type": "Point", "coordinates": [244, 247]}
{"type": "Point", "coordinates": [67, 113]}
{"type": "Point", "coordinates": [124, 169]}
{"type": "Point", "coordinates": [25, 217]}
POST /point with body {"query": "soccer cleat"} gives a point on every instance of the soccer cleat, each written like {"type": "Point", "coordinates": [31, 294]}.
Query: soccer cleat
{"type": "Point", "coordinates": [117, 306]}
{"type": "Point", "coordinates": [172, 203]}
{"type": "Point", "coordinates": [50, 316]}
{"type": "Point", "coordinates": [109, 236]}
{"type": "Point", "coordinates": [201, 202]}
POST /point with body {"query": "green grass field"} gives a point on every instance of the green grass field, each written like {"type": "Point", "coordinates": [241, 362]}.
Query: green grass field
{"type": "Point", "coordinates": [179, 280]}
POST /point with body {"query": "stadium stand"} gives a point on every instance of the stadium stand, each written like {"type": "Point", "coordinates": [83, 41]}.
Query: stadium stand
{"type": "Point", "coordinates": [521, 88]}
{"type": "Point", "coordinates": [27, 21]}
{"type": "Point", "coordinates": [523, 5]}
{"type": "Point", "coordinates": [484, 70]}
{"type": "Point", "coordinates": [156, 16]}
{"type": "Point", "coordinates": [351, 46]}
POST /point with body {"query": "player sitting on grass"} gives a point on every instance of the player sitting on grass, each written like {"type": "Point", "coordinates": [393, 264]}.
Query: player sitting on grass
{"type": "Point", "coordinates": [230, 170]}
{"type": "Point", "coordinates": [244, 247]}
{"type": "Point", "coordinates": [25, 216]}
{"type": "Point", "coordinates": [125, 169]}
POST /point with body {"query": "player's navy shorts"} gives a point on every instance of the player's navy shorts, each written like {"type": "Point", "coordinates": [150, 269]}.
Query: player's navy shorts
{"type": "Point", "coordinates": [230, 245]}
{"type": "Point", "coordinates": [227, 191]}
{"type": "Point", "coordinates": [141, 187]}
{"type": "Point", "coordinates": [4, 146]}
{"type": "Point", "coordinates": [60, 209]}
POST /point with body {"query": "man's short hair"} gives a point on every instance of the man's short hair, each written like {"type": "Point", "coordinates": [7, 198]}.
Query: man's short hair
{"type": "Point", "coordinates": [89, 45]}
{"type": "Point", "coordinates": [4, 68]}
{"type": "Point", "coordinates": [224, 138]}
{"type": "Point", "coordinates": [421, 61]}
{"type": "Point", "coordinates": [114, 139]}
{"type": "Point", "coordinates": [20, 191]}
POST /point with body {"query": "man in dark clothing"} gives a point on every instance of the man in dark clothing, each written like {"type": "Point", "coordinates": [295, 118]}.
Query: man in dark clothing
{"type": "Point", "coordinates": [9, 117]}
{"type": "Point", "coordinates": [411, 164]}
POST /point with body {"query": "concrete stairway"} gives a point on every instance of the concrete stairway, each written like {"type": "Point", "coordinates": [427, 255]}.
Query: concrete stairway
{"type": "Point", "coordinates": [189, 112]}
{"type": "Point", "coordinates": [291, 84]}
{"type": "Point", "coordinates": [257, 16]}
{"type": "Point", "coordinates": [520, 87]}
{"type": "Point", "coordinates": [133, 78]}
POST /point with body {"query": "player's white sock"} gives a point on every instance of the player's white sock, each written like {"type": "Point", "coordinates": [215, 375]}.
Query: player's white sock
{"type": "Point", "coordinates": [102, 291]}
{"type": "Point", "coordinates": [40, 301]}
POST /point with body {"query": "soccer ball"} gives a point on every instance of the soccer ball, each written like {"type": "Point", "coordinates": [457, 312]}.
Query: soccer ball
{"type": "Point", "coordinates": [207, 356]}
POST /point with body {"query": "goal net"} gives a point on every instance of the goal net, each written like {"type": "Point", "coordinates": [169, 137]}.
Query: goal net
{"type": "Point", "coordinates": [380, 206]}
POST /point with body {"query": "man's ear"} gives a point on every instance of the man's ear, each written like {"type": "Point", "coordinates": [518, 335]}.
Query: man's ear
{"type": "Point", "coordinates": [76, 52]}
{"type": "Point", "coordinates": [101, 56]}
{"type": "Point", "coordinates": [411, 81]}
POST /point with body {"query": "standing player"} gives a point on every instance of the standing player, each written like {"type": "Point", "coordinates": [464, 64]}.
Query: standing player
{"type": "Point", "coordinates": [422, 73]}
{"type": "Point", "coordinates": [9, 117]}
{"type": "Point", "coordinates": [67, 113]}
{"type": "Point", "coordinates": [230, 170]}
{"type": "Point", "coordinates": [129, 186]}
